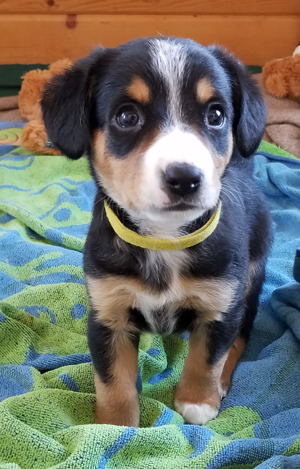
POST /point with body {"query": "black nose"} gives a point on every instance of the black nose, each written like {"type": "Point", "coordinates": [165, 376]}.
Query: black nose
{"type": "Point", "coordinates": [182, 178]}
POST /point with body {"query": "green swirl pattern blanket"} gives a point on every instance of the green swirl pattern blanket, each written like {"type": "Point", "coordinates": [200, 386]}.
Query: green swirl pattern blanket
{"type": "Point", "coordinates": [46, 378]}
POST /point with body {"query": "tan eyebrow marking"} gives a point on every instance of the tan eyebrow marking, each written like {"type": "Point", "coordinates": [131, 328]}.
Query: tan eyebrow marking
{"type": "Point", "coordinates": [204, 90]}
{"type": "Point", "coordinates": [139, 90]}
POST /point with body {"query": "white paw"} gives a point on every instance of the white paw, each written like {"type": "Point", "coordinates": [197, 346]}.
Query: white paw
{"type": "Point", "coordinates": [197, 414]}
{"type": "Point", "coordinates": [223, 390]}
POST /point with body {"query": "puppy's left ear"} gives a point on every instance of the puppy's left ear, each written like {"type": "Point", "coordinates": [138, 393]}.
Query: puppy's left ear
{"type": "Point", "coordinates": [248, 104]}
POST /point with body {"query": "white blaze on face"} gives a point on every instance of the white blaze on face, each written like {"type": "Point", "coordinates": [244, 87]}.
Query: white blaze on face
{"type": "Point", "coordinates": [169, 60]}
{"type": "Point", "coordinates": [175, 144]}
{"type": "Point", "coordinates": [173, 147]}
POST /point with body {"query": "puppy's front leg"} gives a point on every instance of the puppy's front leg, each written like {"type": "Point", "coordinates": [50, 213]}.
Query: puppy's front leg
{"type": "Point", "coordinates": [207, 373]}
{"type": "Point", "coordinates": [113, 342]}
{"type": "Point", "coordinates": [114, 355]}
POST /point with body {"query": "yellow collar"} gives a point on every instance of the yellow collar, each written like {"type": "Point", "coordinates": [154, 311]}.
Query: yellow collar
{"type": "Point", "coordinates": [149, 242]}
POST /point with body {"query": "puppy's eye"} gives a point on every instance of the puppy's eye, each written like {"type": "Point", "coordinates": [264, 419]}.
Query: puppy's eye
{"type": "Point", "coordinates": [128, 117]}
{"type": "Point", "coordinates": [215, 116]}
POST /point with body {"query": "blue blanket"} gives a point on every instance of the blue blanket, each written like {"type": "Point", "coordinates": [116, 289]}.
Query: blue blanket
{"type": "Point", "coordinates": [46, 380]}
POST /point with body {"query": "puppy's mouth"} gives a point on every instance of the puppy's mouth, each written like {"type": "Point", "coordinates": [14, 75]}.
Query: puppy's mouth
{"type": "Point", "coordinates": [180, 206]}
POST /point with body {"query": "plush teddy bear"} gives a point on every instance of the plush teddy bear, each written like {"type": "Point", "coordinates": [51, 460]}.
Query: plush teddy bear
{"type": "Point", "coordinates": [34, 136]}
{"type": "Point", "coordinates": [281, 77]}
{"type": "Point", "coordinates": [281, 89]}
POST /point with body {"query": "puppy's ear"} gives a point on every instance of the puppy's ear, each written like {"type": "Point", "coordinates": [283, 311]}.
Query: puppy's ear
{"type": "Point", "coordinates": [66, 105]}
{"type": "Point", "coordinates": [248, 104]}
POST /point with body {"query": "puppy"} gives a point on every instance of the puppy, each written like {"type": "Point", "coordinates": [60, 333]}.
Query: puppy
{"type": "Point", "coordinates": [180, 233]}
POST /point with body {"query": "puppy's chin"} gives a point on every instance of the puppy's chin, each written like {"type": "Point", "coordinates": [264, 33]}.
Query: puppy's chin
{"type": "Point", "coordinates": [180, 213]}
{"type": "Point", "coordinates": [162, 220]}
{"type": "Point", "coordinates": [162, 215]}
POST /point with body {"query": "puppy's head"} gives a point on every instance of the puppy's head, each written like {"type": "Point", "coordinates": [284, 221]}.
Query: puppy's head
{"type": "Point", "coordinates": [161, 119]}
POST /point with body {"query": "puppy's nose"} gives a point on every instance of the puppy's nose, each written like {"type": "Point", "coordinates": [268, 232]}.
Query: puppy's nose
{"type": "Point", "coordinates": [182, 178]}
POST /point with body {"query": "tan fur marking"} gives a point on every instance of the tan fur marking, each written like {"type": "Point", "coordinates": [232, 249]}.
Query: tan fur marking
{"type": "Point", "coordinates": [227, 156]}
{"type": "Point", "coordinates": [222, 161]}
{"type": "Point", "coordinates": [234, 356]}
{"type": "Point", "coordinates": [112, 296]}
{"type": "Point", "coordinates": [199, 382]}
{"type": "Point", "coordinates": [120, 176]}
{"type": "Point", "coordinates": [139, 90]}
{"type": "Point", "coordinates": [204, 90]}
{"type": "Point", "coordinates": [210, 296]}
{"type": "Point", "coordinates": [117, 402]}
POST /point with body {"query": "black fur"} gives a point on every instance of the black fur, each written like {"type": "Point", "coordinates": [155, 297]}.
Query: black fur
{"type": "Point", "coordinates": [86, 97]}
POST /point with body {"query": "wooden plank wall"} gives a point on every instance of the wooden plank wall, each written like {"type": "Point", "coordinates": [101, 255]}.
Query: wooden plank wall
{"type": "Point", "coordinates": [41, 31]}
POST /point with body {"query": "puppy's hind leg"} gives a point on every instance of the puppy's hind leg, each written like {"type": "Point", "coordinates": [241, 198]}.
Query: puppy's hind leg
{"type": "Point", "coordinates": [256, 275]}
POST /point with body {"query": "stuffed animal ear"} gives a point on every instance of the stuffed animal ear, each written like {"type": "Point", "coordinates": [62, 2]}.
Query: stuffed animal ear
{"type": "Point", "coordinates": [248, 104]}
{"type": "Point", "coordinates": [66, 106]}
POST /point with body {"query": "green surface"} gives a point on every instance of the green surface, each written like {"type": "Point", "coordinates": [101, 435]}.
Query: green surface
{"type": "Point", "coordinates": [46, 377]}
{"type": "Point", "coordinates": [10, 77]}
{"type": "Point", "coordinates": [274, 149]}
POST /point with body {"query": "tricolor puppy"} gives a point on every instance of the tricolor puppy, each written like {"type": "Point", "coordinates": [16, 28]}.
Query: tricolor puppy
{"type": "Point", "coordinates": [180, 233]}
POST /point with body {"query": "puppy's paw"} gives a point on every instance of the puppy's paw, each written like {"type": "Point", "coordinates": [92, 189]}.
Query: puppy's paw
{"type": "Point", "coordinates": [197, 414]}
{"type": "Point", "coordinates": [223, 389]}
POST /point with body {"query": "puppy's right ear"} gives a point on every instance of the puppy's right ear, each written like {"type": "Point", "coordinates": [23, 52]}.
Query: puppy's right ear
{"type": "Point", "coordinates": [66, 105]}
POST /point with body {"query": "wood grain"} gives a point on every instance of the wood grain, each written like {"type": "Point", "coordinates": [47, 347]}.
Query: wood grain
{"type": "Point", "coordinates": [236, 7]}
{"type": "Point", "coordinates": [45, 38]}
